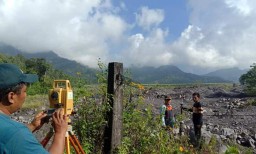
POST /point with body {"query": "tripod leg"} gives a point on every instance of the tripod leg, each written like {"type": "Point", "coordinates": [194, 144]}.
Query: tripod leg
{"type": "Point", "coordinates": [67, 145]}
{"type": "Point", "coordinates": [47, 137]}
{"type": "Point", "coordinates": [75, 143]}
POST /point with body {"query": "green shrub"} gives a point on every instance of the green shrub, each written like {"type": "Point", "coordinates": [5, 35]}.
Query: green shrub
{"type": "Point", "coordinates": [252, 102]}
{"type": "Point", "coordinates": [232, 150]}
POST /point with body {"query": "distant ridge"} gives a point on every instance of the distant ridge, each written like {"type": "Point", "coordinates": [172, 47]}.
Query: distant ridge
{"type": "Point", "coordinates": [70, 67]}
{"type": "Point", "coordinates": [168, 74]}
{"type": "Point", "coordinates": [8, 49]}
{"type": "Point", "coordinates": [231, 74]}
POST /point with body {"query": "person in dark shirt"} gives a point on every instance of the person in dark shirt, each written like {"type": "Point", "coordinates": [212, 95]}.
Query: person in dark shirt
{"type": "Point", "coordinates": [197, 117]}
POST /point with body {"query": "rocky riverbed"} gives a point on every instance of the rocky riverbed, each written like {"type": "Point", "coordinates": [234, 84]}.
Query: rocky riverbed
{"type": "Point", "coordinates": [229, 114]}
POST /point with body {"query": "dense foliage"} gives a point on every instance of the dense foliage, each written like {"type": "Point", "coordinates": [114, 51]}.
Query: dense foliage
{"type": "Point", "coordinates": [39, 66]}
{"type": "Point", "coordinates": [249, 80]}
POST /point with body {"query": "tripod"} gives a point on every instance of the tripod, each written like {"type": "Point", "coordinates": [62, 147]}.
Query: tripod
{"type": "Point", "coordinates": [69, 138]}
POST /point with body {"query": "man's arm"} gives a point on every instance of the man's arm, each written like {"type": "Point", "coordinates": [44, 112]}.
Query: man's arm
{"type": "Point", "coordinates": [187, 109]}
{"type": "Point", "coordinates": [162, 112]}
{"type": "Point", "coordinates": [37, 122]}
{"type": "Point", "coordinates": [200, 108]}
{"type": "Point", "coordinates": [60, 126]}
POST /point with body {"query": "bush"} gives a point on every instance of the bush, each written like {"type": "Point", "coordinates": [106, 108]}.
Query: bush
{"type": "Point", "coordinates": [232, 150]}
{"type": "Point", "coordinates": [252, 102]}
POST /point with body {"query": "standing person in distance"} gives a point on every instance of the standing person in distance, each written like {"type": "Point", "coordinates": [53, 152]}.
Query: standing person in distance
{"type": "Point", "coordinates": [197, 117]}
{"type": "Point", "coordinates": [166, 112]}
{"type": "Point", "coordinates": [15, 137]}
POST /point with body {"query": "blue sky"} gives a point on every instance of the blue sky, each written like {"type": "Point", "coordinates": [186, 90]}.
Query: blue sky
{"type": "Point", "coordinates": [175, 12]}
{"type": "Point", "coordinates": [197, 36]}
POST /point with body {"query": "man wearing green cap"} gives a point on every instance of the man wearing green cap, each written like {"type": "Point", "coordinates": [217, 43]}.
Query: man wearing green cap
{"type": "Point", "coordinates": [15, 137]}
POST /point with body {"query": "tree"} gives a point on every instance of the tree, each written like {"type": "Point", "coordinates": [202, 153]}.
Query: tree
{"type": "Point", "coordinates": [37, 66]}
{"type": "Point", "coordinates": [249, 80]}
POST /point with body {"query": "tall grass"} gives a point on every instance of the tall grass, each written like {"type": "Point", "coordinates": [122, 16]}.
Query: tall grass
{"type": "Point", "coordinates": [36, 102]}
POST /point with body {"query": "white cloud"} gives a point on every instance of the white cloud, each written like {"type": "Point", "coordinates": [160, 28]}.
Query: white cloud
{"type": "Point", "coordinates": [77, 30]}
{"type": "Point", "coordinates": [136, 40]}
{"type": "Point", "coordinates": [242, 6]}
{"type": "Point", "coordinates": [148, 51]}
{"type": "Point", "coordinates": [221, 33]}
{"type": "Point", "coordinates": [195, 53]}
{"type": "Point", "coordinates": [218, 38]}
{"type": "Point", "coordinates": [148, 18]}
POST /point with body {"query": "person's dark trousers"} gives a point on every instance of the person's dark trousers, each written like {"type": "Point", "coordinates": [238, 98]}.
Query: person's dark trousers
{"type": "Point", "coordinates": [197, 129]}
{"type": "Point", "coordinates": [170, 124]}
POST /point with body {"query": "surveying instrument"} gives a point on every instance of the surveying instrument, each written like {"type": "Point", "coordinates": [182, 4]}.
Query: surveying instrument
{"type": "Point", "coordinates": [61, 96]}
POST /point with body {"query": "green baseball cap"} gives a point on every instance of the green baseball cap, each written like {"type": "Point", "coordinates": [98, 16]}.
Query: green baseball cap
{"type": "Point", "coordinates": [11, 75]}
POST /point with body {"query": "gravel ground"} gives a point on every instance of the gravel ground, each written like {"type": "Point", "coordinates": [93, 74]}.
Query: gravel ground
{"type": "Point", "coordinates": [225, 108]}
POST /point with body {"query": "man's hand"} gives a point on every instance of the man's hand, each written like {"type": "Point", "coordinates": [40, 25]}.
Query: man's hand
{"type": "Point", "coordinates": [60, 123]}
{"type": "Point", "coordinates": [60, 126]}
{"type": "Point", "coordinates": [187, 109]}
{"type": "Point", "coordinates": [37, 121]}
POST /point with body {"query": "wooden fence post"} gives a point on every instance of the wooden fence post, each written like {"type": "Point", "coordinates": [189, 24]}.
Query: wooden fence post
{"type": "Point", "coordinates": [113, 131]}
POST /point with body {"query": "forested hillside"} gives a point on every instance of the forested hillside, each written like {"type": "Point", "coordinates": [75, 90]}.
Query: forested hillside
{"type": "Point", "coordinates": [39, 66]}
{"type": "Point", "coordinates": [70, 67]}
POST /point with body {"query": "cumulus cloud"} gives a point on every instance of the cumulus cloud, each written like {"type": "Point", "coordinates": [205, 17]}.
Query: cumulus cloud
{"type": "Point", "coordinates": [218, 38]}
{"type": "Point", "coordinates": [220, 33]}
{"type": "Point", "coordinates": [148, 18]}
{"type": "Point", "coordinates": [76, 30]}
{"type": "Point", "coordinates": [196, 53]}
{"type": "Point", "coordinates": [148, 51]}
{"type": "Point", "coordinates": [243, 6]}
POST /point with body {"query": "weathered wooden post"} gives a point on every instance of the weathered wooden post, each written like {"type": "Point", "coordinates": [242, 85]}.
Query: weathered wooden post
{"type": "Point", "coordinates": [113, 132]}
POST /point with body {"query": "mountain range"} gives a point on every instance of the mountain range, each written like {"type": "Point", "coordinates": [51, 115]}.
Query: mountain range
{"type": "Point", "coordinates": [168, 74]}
